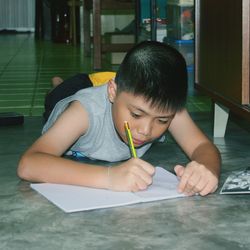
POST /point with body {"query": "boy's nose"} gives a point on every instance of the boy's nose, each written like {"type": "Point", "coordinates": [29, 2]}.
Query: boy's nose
{"type": "Point", "coordinates": [145, 129]}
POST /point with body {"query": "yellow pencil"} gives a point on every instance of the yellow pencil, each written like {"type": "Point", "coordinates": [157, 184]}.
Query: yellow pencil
{"type": "Point", "coordinates": [130, 140]}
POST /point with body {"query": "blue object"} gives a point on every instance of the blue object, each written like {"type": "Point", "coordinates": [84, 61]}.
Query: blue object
{"type": "Point", "coordinates": [145, 9]}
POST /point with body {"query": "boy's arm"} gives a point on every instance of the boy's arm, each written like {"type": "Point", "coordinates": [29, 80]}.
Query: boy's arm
{"type": "Point", "coordinates": [202, 173]}
{"type": "Point", "coordinates": [42, 162]}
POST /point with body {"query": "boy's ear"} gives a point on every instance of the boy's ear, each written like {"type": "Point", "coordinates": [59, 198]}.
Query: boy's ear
{"type": "Point", "coordinates": [112, 88]}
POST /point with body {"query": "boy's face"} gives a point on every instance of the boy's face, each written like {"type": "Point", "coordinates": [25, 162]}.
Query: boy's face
{"type": "Point", "coordinates": [146, 123]}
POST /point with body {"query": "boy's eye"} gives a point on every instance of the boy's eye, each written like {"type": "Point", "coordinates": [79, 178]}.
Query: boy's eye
{"type": "Point", "coordinates": [163, 121]}
{"type": "Point", "coordinates": [135, 115]}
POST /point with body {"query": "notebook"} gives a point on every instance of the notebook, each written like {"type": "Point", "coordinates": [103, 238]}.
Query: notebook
{"type": "Point", "coordinates": [71, 198]}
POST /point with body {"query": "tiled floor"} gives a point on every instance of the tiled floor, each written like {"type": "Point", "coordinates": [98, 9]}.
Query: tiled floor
{"type": "Point", "coordinates": [27, 65]}
{"type": "Point", "coordinates": [28, 221]}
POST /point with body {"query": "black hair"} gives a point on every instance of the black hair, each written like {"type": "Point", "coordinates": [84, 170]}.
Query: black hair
{"type": "Point", "coordinates": [156, 71]}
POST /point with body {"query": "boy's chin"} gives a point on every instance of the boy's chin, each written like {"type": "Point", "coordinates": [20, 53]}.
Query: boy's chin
{"type": "Point", "coordinates": [139, 145]}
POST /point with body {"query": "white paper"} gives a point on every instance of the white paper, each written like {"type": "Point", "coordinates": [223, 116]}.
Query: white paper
{"type": "Point", "coordinates": [76, 198]}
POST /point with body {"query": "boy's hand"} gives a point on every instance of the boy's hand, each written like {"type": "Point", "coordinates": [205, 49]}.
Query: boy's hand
{"type": "Point", "coordinates": [195, 178]}
{"type": "Point", "coordinates": [133, 175]}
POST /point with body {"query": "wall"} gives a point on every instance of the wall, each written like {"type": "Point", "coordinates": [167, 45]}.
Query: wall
{"type": "Point", "coordinates": [17, 15]}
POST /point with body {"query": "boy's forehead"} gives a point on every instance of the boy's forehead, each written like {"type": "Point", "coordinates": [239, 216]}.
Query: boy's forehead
{"type": "Point", "coordinates": [135, 98]}
{"type": "Point", "coordinates": [143, 103]}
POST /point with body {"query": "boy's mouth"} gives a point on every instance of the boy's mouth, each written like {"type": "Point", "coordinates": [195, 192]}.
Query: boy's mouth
{"type": "Point", "coordinates": [138, 142]}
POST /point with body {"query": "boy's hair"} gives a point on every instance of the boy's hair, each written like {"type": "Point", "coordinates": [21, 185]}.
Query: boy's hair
{"type": "Point", "coordinates": [156, 71]}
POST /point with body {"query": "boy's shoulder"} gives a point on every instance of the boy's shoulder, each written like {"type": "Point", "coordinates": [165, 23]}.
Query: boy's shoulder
{"type": "Point", "coordinates": [92, 93]}
{"type": "Point", "coordinates": [93, 98]}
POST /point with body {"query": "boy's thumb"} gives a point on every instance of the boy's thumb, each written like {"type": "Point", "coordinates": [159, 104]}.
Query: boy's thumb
{"type": "Point", "coordinates": [179, 170]}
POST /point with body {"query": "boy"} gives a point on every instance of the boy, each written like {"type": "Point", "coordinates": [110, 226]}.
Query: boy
{"type": "Point", "coordinates": [149, 91]}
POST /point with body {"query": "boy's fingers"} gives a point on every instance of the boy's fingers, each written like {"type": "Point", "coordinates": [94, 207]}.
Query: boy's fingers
{"type": "Point", "coordinates": [144, 176]}
{"type": "Point", "coordinates": [141, 173]}
{"type": "Point", "coordinates": [193, 182]}
{"type": "Point", "coordinates": [209, 188]}
{"type": "Point", "coordinates": [138, 184]}
{"type": "Point", "coordinates": [141, 184]}
{"type": "Point", "coordinates": [150, 169]}
{"type": "Point", "coordinates": [184, 180]}
{"type": "Point", "coordinates": [206, 190]}
{"type": "Point", "coordinates": [199, 187]}
{"type": "Point", "coordinates": [183, 183]}
{"type": "Point", "coordinates": [179, 170]}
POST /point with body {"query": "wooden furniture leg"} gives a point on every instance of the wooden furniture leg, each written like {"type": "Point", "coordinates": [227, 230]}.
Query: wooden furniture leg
{"type": "Point", "coordinates": [72, 32]}
{"type": "Point", "coordinates": [86, 28]}
{"type": "Point", "coordinates": [97, 33]}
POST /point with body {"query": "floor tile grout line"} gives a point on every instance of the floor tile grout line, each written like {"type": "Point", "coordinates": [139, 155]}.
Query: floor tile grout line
{"type": "Point", "coordinates": [12, 58]}
{"type": "Point", "coordinates": [36, 82]}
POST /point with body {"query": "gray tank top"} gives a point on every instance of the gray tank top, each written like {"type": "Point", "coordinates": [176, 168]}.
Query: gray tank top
{"type": "Point", "coordinates": [101, 141]}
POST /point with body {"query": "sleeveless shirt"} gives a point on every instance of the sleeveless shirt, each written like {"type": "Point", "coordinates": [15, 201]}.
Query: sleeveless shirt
{"type": "Point", "coordinates": [101, 141]}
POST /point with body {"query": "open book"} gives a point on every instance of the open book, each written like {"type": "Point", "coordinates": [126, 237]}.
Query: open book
{"type": "Point", "coordinates": [76, 198]}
